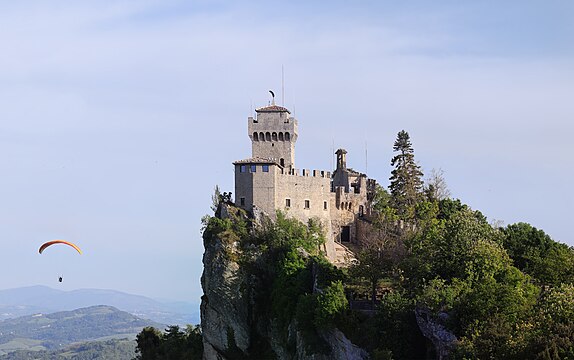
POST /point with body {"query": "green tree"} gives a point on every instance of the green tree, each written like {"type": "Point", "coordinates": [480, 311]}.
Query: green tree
{"type": "Point", "coordinates": [371, 265]}
{"type": "Point", "coordinates": [535, 253]}
{"type": "Point", "coordinates": [148, 344]}
{"type": "Point", "coordinates": [406, 178]}
{"type": "Point", "coordinates": [215, 198]}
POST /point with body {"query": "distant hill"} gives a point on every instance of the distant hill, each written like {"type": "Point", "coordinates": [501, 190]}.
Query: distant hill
{"type": "Point", "coordinates": [35, 299]}
{"type": "Point", "coordinates": [116, 349]}
{"type": "Point", "coordinates": [56, 330]}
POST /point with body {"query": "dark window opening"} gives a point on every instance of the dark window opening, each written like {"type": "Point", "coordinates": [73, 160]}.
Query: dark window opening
{"type": "Point", "coordinates": [255, 136]}
{"type": "Point", "coordinates": [324, 205]}
{"type": "Point", "coordinates": [287, 136]}
{"type": "Point", "coordinates": [282, 162]}
{"type": "Point", "coordinates": [287, 202]}
{"type": "Point", "coordinates": [253, 168]}
{"type": "Point", "coordinates": [261, 137]}
{"type": "Point", "coordinates": [307, 204]}
{"type": "Point", "coordinates": [265, 168]}
{"type": "Point", "coordinates": [274, 136]}
{"type": "Point", "coordinates": [280, 136]}
{"type": "Point", "coordinates": [242, 201]}
{"type": "Point", "coordinates": [267, 136]}
{"type": "Point", "coordinates": [242, 168]}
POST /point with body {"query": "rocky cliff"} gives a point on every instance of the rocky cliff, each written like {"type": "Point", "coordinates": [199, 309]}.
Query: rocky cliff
{"type": "Point", "coordinates": [243, 316]}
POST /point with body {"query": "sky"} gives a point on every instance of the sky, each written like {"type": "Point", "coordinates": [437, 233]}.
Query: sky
{"type": "Point", "coordinates": [118, 118]}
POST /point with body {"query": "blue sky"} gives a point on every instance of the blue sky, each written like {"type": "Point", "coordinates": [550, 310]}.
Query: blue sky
{"type": "Point", "coordinates": [117, 119]}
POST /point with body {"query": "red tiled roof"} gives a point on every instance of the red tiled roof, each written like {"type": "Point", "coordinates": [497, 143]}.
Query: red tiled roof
{"type": "Point", "coordinates": [273, 108]}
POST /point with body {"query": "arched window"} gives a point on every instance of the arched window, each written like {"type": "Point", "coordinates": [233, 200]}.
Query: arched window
{"type": "Point", "coordinates": [274, 136]}
{"type": "Point", "coordinates": [255, 137]}
{"type": "Point", "coordinates": [280, 136]}
{"type": "Point", "coordinates": [342, 205]}
{"type": "Point", "coordinates": [267, 136]}
{"type": "Point", "coordinates": [261, 137]}
{"type": "Point", "coordinates": [287, 136]}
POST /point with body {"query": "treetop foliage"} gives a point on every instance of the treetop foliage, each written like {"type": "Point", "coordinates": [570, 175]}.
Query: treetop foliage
{"type": "Point", "coordinates": [406, 178]}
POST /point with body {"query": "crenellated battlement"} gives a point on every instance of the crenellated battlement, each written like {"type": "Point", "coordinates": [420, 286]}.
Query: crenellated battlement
{"type": "Point", "coordinates": [269, 181]}
{"type": "Point", "coordinates": [307, 173]}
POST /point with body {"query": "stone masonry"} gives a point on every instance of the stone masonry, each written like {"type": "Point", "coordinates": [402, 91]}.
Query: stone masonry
{"type": "Point", "coordinates": [269, 181]}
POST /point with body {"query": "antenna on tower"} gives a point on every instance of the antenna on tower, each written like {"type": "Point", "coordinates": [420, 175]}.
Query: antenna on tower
{"type": "Point", "coordinates": [366, 159]}
{"type": "Point", "coordinates": [332, 153]}
{"type": "Point", "coordinates": [282, 87]}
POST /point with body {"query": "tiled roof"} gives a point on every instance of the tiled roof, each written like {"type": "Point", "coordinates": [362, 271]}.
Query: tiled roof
{"type": "Point", "coordinates": [256, 160]}
{"type": "Point", "coordinates": [273, 108]}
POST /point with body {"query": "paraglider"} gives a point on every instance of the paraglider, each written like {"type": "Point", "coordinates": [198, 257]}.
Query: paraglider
{"type": "Point", "coordinates": [50, 243]}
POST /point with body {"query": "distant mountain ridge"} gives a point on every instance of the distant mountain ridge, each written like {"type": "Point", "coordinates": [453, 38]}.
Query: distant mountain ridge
{"type": "Point", "coordinates": [42, 299]}
{"type": "Point", "coordinates": [56, 330]}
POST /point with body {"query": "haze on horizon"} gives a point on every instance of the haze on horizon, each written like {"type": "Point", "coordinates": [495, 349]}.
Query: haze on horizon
{"type": "Point", "coordinates": [118, 119]}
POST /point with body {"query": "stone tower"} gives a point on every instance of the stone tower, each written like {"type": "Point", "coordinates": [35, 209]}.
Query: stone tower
{"type": "Point", "coordinates": [273, 134]}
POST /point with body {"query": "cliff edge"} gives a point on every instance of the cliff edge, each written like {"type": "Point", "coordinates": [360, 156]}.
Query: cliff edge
{"type": "Point", "coordinates": [268, 292]}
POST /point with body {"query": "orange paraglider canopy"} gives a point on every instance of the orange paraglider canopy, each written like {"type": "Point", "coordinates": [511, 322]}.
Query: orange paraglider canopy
{"type": "Point", "coordinates": [49, 243]}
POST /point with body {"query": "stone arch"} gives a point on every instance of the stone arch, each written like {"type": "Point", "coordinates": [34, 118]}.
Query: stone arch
{"type": "Point", "coordinates": [274, 136]}
{"type": "Point", "coordinates": [280, 136]}
{"type": "Point", "coordinates": [255, 136]}
{"type": "Point", "coordinates": [267, 136]}
{"type": "Point", "coordinates": [261, 136]}
{"type": "Point", "coordinates": [287, 136]}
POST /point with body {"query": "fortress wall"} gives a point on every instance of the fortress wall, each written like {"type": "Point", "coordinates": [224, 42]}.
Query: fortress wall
{"type": "Point", "coordinates": [264, 189]}
{"type": "Point", "coordinates": [368, 234]}
{"type": "Point", "coordinates": [243, 188]}
{"type": "Point", "coordinates": [344, 212]}
{"type": "Point", "coordinates": [315, 190]}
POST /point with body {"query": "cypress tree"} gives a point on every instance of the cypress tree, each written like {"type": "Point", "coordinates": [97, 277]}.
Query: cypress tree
{"type": "Point", "coordinates": [406, 178]}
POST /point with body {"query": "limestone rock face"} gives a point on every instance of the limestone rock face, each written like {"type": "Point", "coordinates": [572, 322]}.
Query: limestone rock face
{"type": "Point", "coordinates": [224, 308]}
{"type": "Point", "coordinates": [231, 327]}
{"type": "Point", "coordinates": [433, 329]}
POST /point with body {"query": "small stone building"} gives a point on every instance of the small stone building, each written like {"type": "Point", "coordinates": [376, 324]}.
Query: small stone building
{"type": "Point", "coordinates": [270, 181]}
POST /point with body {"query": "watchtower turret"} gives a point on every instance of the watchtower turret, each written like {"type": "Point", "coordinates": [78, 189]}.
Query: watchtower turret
{"type": "Point", "coordinates": [273, 133]}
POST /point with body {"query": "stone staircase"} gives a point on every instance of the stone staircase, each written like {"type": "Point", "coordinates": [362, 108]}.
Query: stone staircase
{"type": "Point", "coordinates": [344, 256]}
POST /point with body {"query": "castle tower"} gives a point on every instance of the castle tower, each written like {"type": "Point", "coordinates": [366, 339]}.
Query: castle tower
{"type": "Point", "coordinates": [273, 134]}
{"type": "Point", "coordinates": [341, 174]}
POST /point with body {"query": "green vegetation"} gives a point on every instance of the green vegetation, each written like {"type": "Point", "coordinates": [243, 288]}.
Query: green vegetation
{"type": "Point", "coordinates": [173, 344]}
{"type": "Point", "coordinates": [56, 330]}
{"type": "Point", "coordinates": [117, 349]}
{"type": "Point", "coordinates": [503, 292]}
{"type": "Point", "coordinates": [406, 178]}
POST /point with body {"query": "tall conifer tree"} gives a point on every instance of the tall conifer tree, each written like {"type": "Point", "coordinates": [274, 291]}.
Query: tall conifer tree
{"type": "Point", "coordinates": [406, 178]}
